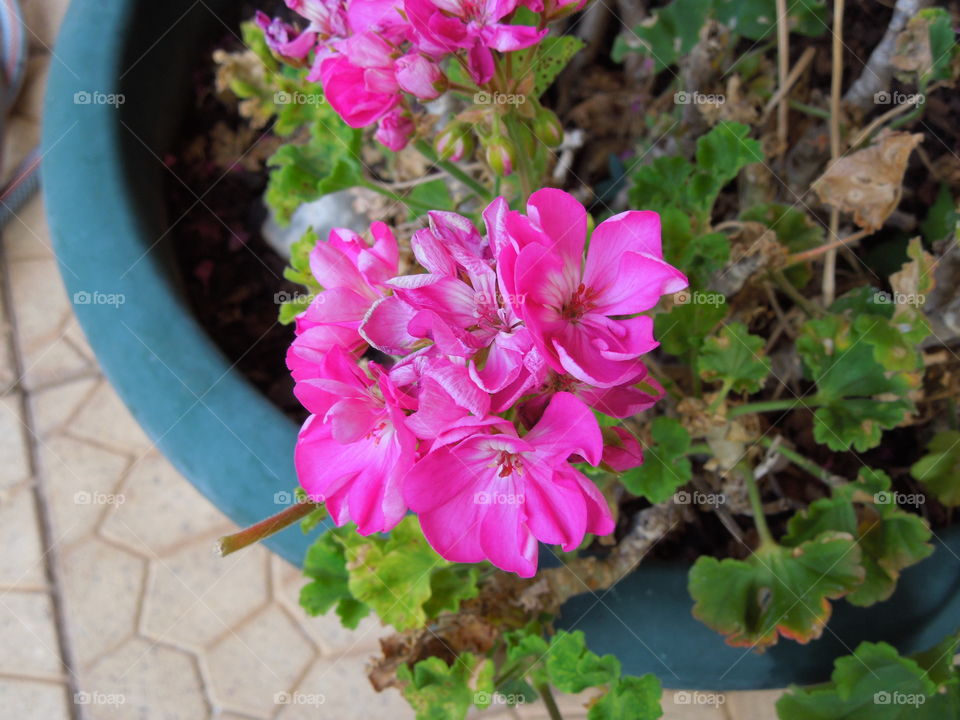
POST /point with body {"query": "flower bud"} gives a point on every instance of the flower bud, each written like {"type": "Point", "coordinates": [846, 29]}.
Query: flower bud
{"type": "Point", "coordinates": [501, 155]}
{"type": "Point", "coordinates": [547, 128]}
{"type": "Point", "coordinates": [454, 142]}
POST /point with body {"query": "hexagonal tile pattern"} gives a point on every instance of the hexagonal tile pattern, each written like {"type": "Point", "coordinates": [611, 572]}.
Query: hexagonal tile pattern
{"type": "Point", "coordinates": [28, 636]}
{"type": "Point", "coordinates": [21, 562]}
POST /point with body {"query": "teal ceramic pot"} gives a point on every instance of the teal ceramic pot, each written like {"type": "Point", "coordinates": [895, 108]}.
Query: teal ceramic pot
{"type": "Point", "coordinates": [104, 193]}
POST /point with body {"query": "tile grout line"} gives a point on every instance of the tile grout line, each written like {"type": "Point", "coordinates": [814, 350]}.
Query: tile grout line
{"type": "Point", "coordinates": [51, 555]}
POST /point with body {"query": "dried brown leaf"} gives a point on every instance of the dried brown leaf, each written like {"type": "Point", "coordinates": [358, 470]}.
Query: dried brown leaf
{"type": "Point", "coordinates": [869, 182]}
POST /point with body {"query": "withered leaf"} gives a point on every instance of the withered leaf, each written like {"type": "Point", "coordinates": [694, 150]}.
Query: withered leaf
{"type": "Point", "coordinates": [869, 182]}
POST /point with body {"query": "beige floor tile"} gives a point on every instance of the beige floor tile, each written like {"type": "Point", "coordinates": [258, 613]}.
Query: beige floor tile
{"type": "Point", "coordinates": [54, 406]}
{"type": "Point", "coordinates": [22, 558]}
{"type": "Point", "coordinates": [105, 409]}
{"type": "Point", "coordinates": [43, 313]}
{"type": "Point", "coordinates": [101, 590]}
{"type": "Point", "coordinates": [755, 705]}
{"type": "Point", "coordinates": [194, 596]}
{"type": "Point", "coordinates": [326, 631]}
{"type": "Point", "coordinates": [339, 688]}
{"type": "Point", "coordinates": [28, 699]}
{"type": "Point", "coordinates": [28, 636]}
{"type": "Point", "coordinates": [146, 682]}
{"type": "Point", "coordinates": [8, 373]}
{"type": "Point", "coordinates": [27, 236]}
{"type": "Point", "coordinates": [14, 461]}
{"type": "Point", "coordinates": [160, 511]}
{"type": "Point", "coordinates": [264, 657]}
{"type": "Point", "coordinates": [81, 483]}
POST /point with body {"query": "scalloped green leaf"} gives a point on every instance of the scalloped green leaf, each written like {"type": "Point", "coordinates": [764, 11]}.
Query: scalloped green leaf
{"type": "Point", "coordinates": [735, 358]}
{"type": "Point", "coordinates": [665, 465]}
{"type": "Point", "coordinates": [939, 469]}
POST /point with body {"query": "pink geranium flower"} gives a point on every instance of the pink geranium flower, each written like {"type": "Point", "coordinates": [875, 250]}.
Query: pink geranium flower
{"type": "Point", "coordinates": [493, 496]}
{"type": "Point", "coordinates": [283, 39]}
{"type": "Point", "coordinates": [446, 26]}
{"type": "Point", "coordinates": [353, 274]}
{"type": "Point", "coordinates": [354, 449]}
{"type": "Point", "coordinates": [583, 315]}
{"type": "Point", "coordinates": [394, 130]}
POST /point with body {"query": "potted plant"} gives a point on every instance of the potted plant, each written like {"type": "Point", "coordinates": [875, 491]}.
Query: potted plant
{"type": "Point", "coordinates": [494, 432]}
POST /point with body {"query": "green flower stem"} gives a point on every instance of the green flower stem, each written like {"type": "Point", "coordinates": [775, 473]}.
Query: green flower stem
{"type": "Point", "coordinates": [784, 284]}
{"type": "Point", "coordinates": [524, 169]}
{"type": "Point", "coordinates": [800, 461]}
{"type": "Point", "coordinates": [759, 519]}
{"type": "Point", "coordinates": [773, 405]}
{"type": "Point", "coordinates": [721, 396]}
{"type": "Point", "coordinates": [547, 694]}
{"type": "Point", "coordinates": [265, 528]}
{"type": "Point", "coordinates": [427, 151]}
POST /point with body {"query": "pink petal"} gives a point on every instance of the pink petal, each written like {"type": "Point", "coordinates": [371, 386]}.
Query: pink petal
{"type": "Point", "coordinates": [564, 220]}
{"type": "Point", "coordinates": [566, 427]}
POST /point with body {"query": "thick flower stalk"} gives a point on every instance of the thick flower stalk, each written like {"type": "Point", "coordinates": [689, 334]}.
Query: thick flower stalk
{"type": "Point", "coordinates": [496, 355]}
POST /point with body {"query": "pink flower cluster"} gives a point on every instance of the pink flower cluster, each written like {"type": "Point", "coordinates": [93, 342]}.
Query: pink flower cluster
{"type": "Point", "coordinates": [499, 351]}
{"type": "Point", "coordinates": [369, 53]}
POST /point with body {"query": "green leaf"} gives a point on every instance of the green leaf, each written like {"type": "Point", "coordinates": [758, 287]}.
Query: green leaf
{"type": "Point", "coordinates": [665, 466]}
{"type": "Point", "coordinates": [671, 33]}
{"type": "Point", "coordinates": [553, 54]}
{"type": "Point", "coordinates": [756, 19]}
{"type": "Point", "coordinates": [325, 564]}
{"type": "Point", "coordinates": [572, 668]}
{"type": "Point", "coordinates": [721, 154]}
{"type": "Point", "coordinates": [435, 194]}
{"type": "Point", "coordinates": [875, 683]}
{"type": "Point", "coordinates": [795, 230]}
{"type": "Point", "coordinates": [699, 256]}
{"type": "Point", "coordinates": [943, 44]}
{"type": "Point", "coordinates": [941, 219]}
{"type": "Point", "coordinates": [889, 538]}
{"type": "Point", "coordinates": [393, 575]}
{"type": "Point", "coordinates": [841, 361]}
{"type": "Point", "coordinates": [449, 586]}
{"type": "Point", "coordinates": [939, 469]}
{"type": "Point", "coordinates": [685, 327]}
{"type": "Point", "coordinates": [345, 174]}
{"type": "Point", "coordinates": [735, 357]}
{"type": "Point", "coordinates": [438, 691]}
{"type": "Point", "coordinates": [631, 698]}
{"type": "Point", "coordinates": [777, 590]}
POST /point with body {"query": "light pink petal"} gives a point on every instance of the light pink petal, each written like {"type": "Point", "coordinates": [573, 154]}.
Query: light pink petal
{"type": "Point", "coordinates": [506, 38]}
{"type": "Point", "coordinates": [351, 419]}
{"type": "Point", "coordinates": [333, 268]}
{"type": "Point", "coordinates": [385, 326]}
